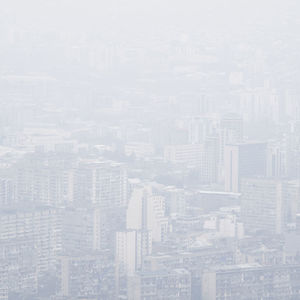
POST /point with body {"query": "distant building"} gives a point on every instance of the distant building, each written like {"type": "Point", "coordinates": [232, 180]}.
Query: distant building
{"type": "Point", "coordinates": [198, 129]}
{"type": "Point", "coordinates": [42, 227]}
{"type": "Point", "coordinates": [231, 132]}
{"type": "Point", "coordinates": [44, 179]}
{"type": "Point", "coordinates": [19, 266]}
{"type": "Point", "coordinates": [298, 224]}
{"type": "Point", "coordinates": [100, 184]}
{"type": "Point", "coordinates": [176, 200]}
{"type": "Point", "coordinates": [267, 204]}
{"type": "Point", "coordinates": [131, 247]}
{"type": "Point", "coordinates": [139, 150]}
{"type": "Point", "coordinates": [161, 285]}
{"type": "Point", "coordinates": [6, 192]}
{"type": "Point", "coordinates": [243, 160]}
{"type": "Point", "coordinates": [77, 230]}
{"type": "Point", "coordinates": [4, 284]}
{"type": "Point", "coordinates": [86, 276]}
{"type": "Point", "coordinates": [188, 153]}
{"type": "Point", "coordinates": [251, 282]}
{"type": "Point", "coordinates": [146, 211]}
{"type": "Point", "coordinates": [210, 160]}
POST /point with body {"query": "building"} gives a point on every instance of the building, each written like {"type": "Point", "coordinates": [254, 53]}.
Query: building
{"type": "Point", "coordinates": [198, 129]}
{"type": "Point", "coordinates": [210, 161]}
{"type": "Point", "coordinates": [187, 153]}
{"type": "Point", "coordinates": [19, 266]}
{"type": "Point", "coordinates": [41, 226]}
{"type": "Point", "coordinates": [132, 246]}
{"type": "Point", "coordinates": [243, 160]}
{"type": "Point", "coordinates": [6, 192]}
{"type": "Point", "coordinates": [100, 183]}
{"type": "Point", "coordinates": [176, 200]}
{"type": "Point", "coordinates": [44, 179]}
{"type": "Point", "coordinates": [139, 150]}
{"type": "Point", "coordinates": [251, 281]}
{"type": "Point", "coordinates": [277, 160]}
{"type": "Point", "coordinates": [106, 222]}
{"type": "Point", "coordinates": [160, 285]}
{"type": "Point", "coordinates": [147, 211]}
{"type": "Point", "coordinates": [231, 132]}
{"type": "Point", "coordinates": [87, 276]}
{"type": "Point", "coordinates": [4, 286]}
{"type": "Point", "coordinates": [263, 205]}
{"type": "Point", "coordinates": [77, 230]}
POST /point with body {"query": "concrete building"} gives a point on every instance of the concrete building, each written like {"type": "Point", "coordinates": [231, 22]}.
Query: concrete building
{"type": "Point", "coordinates": [277, 159]}
{"type": "Point", "coordinates": [131, 247]}
{"type": "Point", "coordinates": [44, 179]}
{"type": "Point", "coordinates": [243, 160]}
{"type": "Point", "coordinates": [251, 281]}
{"type": "Point", "coordinates": [160, 285]}
{"type": "Point", "coordinates": [19, 266]}
{"type": "Point", "coordinates": [263, 205]}
{"type": "Point", "coordinates": [7, 191]}
{"type": "Point", "coordinates": [210, 160]}
{"type": "Point", "coordinates": [187, 153]}
{"type": "Point", "coordinates": [100, 184]}
{"type": "Point", "coordinates": [139, 150]}
{"type": "Point", "coordinates": [146, 211]}
{"type": "Point", "coordinates": [231, 132]}
{"type": "Point", "coordinates": [87, 276]}
{"type": "Point", "coordinates": [42, 227]}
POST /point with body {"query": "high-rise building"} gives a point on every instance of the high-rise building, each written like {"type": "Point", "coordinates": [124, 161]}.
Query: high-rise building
{"type": "Point", "coordinates": [88, 275]}
{"type": "Point", "coordinates": [131, 248]}
{"type": "Point", "coordinates": [100, 184]}
{"type": "Point", "coordinates": [210, 160]}
{"type": "Point", "coordinates": [41, 226]}
{"type": "Point", "coordinates": [4, 285]}
{"type": "Point", "coordinates": [175, 200]}
{"type": "Point", "coordinates": [77, 230]}
{"type": "Point", "coordinates": [6, 192]}
{"type": "Point", "coordinates": [146, 211]}
{"type": "Point", "coordinates": [44, 179]}
{"type": "Point", "coordinates": [162, 284]}
{"type": "Point", "coordinates": [243, 160]}
{"type": "Point", "coordinates": [263, 205]}
{"type": "Point", "coordinates": [106, 222]}
{"type": "Point", "coordinates": [277, 160]}
{"type": "Point", "coordinates": [231, 129]}
{"type": "Point", "coordinates": [251, 281]}
{"type": "Point", "coordinates": [198, 128]}
{"type": "Point", "coordinates": [268, 204]}
{"type": "Point", "coordinates": [19, 266]}
{"type": "Point", "coordinates": [230, 132]}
